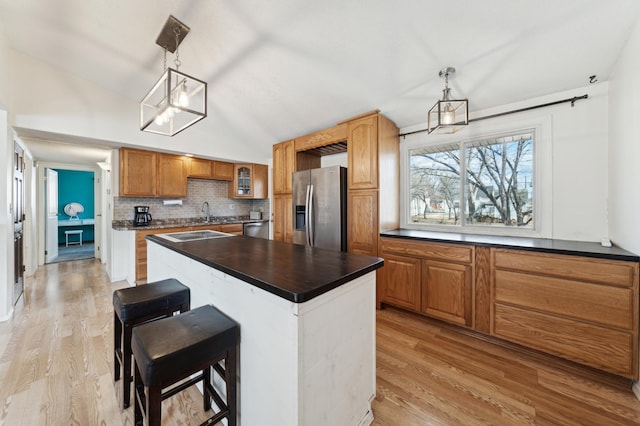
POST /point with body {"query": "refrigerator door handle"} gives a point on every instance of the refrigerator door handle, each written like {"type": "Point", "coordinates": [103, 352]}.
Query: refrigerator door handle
{"type": "Point", "coordinates": [311, 218]}
{"type": "Point", "coordinates": [306, 215]}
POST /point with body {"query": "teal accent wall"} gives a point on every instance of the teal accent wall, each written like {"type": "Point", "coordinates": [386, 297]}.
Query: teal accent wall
{"type": "Point", "coordinates": [76, 187]}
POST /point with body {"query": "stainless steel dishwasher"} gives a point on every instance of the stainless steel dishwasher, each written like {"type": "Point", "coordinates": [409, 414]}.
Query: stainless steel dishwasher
{"type": "Point", "coordinates": [256, 229]}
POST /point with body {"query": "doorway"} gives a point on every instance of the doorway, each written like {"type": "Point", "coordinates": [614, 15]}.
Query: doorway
{"type": "Point", "coordinates": [70, 212]}
{"type": "Point", "coordinates": [71, 215]}
{"type": "Point", "coordinates": [18, 220]}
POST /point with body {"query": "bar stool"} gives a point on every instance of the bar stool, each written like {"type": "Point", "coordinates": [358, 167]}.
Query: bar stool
{"type": "Point", "coordinates": [136, 305]}
{"type": "Point", "coordinates": [170, 350]}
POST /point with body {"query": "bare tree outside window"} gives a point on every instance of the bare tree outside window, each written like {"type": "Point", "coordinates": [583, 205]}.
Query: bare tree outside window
{"type": "Point", "coordinates": [497, 183]}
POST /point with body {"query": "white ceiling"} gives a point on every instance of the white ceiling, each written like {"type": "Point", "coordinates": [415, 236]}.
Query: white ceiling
{"type": "Point", "coordinates": [281, 68]}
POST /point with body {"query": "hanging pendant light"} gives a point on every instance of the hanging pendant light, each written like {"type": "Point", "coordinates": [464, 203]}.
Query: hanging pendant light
{"type": "Point", "coordinates": [448, 115]}
{"type": "Point", "coordinates": [177, 100]}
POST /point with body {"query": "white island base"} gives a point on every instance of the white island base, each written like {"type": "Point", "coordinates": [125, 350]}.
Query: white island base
{"type": "Point", "coordinates": [310, 363]}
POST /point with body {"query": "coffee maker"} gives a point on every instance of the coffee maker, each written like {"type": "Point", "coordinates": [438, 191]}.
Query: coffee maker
{"type": "Point", "coordinates": [141, 216]}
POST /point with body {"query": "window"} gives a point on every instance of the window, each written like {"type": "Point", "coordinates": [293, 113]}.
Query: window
{"type": "Point", "coordinates": [485, 183]}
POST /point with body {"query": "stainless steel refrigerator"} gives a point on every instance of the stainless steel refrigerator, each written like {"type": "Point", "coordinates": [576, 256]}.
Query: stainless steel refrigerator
{"type": "Point", "coordinates": [320, 208]}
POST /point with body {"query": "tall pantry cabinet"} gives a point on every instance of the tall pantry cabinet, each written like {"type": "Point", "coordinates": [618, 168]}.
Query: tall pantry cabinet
{"type": "Point", "coordinates": [373, 176]}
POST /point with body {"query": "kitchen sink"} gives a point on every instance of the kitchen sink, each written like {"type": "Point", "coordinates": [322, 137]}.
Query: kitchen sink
{"type": "Point", "coordinates": [180, 237]}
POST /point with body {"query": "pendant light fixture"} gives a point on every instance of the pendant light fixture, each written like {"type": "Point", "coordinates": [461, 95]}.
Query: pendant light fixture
{"type": "Point", "coordinates": [448, 115]}
{"type": "Point", "coordinates": [177, 100]}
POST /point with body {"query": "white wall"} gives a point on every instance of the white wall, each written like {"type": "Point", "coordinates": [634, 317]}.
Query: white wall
{"type": "Point", "coordinates": [624, 147]}
{"type": "Point", "coordinates": [50, 100]}
{"type": "Point", "coordinates": [578, 153]}
{"type": "Point", "coordinates": [6, 155]}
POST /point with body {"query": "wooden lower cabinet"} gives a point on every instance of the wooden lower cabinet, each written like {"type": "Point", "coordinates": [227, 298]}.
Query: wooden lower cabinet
{"type": "Point", "coordinates": [283, 218]}
{"type": "Point", "coordinates": [447, 291]}
{"type": "Point", "coordinates": [579, 308]}
{"type": "Point", "coordinates": [435, 279]}
{"type": "Point", "coordinates": [401, 277]}
{"type": "Point", "coordinates": [362, 222]}
{"type": "Point", "coordinates": [141, 248]}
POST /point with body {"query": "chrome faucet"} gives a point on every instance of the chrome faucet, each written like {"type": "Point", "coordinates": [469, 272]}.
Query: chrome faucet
{"type": "Point", "coordinates": [205, 210]}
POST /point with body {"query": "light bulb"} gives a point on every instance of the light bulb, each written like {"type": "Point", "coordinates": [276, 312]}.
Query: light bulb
{"type": "Point", "coordinates": [183, 98]}
{"type": "Point", "coordinates": [448, 115]}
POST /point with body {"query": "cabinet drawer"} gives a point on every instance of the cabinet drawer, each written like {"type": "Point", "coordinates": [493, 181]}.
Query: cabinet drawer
{"type": "Point", "coordinates": [601, 304]}
{"type": "Point", "coordinates": [599, 347]}
{"type": "Point", "coordinates": [438, 251]}
{"type": "Point", "coordinates": [577, 268]}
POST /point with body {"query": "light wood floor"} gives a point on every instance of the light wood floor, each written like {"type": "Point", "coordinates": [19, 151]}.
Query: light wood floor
{"type": "Point", "coordinates": [56, 369]}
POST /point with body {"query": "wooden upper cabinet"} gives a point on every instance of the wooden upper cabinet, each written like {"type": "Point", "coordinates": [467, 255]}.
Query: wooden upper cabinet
{"type": "Point", "coordinates": [284, 158]}
{"type": "Point", "coordinates": [222, 171]}
{"type": "Point", "coordinates": [362, 153]}
{"type": "Point", "coordinates": [200, 168]}
{"type": "Point", "coordinates": [210, 169]}
{"type": "Point", "coordinates": [138, 173]}
{"type": "Point", "coordinates": [172, 176]}
{"type": "Point", "coordinates": [249, 181]}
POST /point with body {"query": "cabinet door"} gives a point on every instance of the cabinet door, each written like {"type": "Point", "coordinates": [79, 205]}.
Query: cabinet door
{"type": "Point", "coordinates": [362, 222]}
{"type": "Point", "coordinates": [362, 153]}
{"type": "Point", "coordinates": [241, 185]}
{"type": "Point", "coordinates": [283, 218]}
{"type": "Point", "coordinates": [288, 218]}
{"type": "Point", "coordinates": [260, 182]}
{"type": "Point", "coordinates": [137, 173]}
{"type": "Point", "coordinates": [399, 282]}
{"type": "Point", "coordinates": [283, 165]}
{"type": "Point", "coordinates": [284, 158]}
{"type": "Point", "coordinates": [172, 176]}
{"type": "Point", "coordinates": [200, 168]}
{"type": "Point", "coordinates": [278, 217]}
{"type": "Point", "coordinates": [222, 170]}
{"type": "Point", "coordinates": [446, 291]}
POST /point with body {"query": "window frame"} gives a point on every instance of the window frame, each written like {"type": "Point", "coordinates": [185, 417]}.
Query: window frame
{"type": "Point", "coordinates": [542, 171]}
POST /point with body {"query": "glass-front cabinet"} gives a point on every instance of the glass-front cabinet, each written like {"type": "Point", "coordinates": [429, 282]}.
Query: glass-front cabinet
{"type": "Point", "coordinates": [249, 181]}
{"type": "Point", "coordinates": [243, 175]}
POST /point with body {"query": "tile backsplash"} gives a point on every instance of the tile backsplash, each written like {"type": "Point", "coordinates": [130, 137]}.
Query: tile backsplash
{"type": "Point", "coordinates": [198, 191]}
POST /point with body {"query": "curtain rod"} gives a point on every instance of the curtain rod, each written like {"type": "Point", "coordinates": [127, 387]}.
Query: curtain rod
{"type": "Point", "coordinates": [572, 100]}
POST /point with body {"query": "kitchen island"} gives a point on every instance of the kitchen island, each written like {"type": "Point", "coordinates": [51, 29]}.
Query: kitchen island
{"type": "Point", "coordinates": [307, 323]}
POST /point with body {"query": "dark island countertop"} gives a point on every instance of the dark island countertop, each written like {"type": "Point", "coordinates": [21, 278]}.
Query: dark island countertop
{"type": "Point", "coordinates": [574, 248]}
{"type": "Point", "coordinates": [294, 272]}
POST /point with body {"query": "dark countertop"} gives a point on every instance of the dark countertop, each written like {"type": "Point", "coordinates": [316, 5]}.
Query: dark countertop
{"type": "Point", "coordinates": [291, 271]}
{"type": "Point", "coordinates": [574, 248]}
{"type": "Point", "coordinates": [127, 225]}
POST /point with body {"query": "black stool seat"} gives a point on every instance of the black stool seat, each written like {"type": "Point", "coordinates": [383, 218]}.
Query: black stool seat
{"type": "Point", "coordinates": [136, 305]}
{"type": "Point", "coordinates": [169, 350]}
{"type": "Point", "coordinates": [137, 302]}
